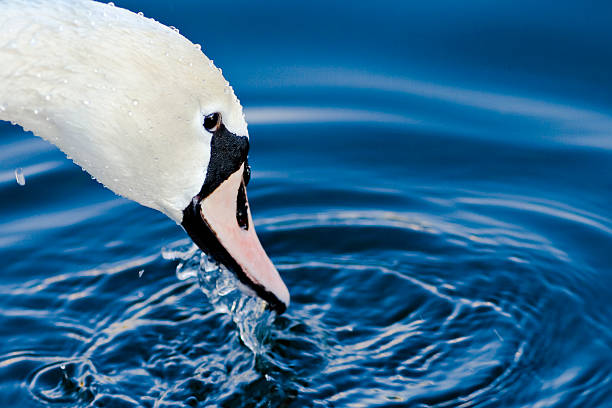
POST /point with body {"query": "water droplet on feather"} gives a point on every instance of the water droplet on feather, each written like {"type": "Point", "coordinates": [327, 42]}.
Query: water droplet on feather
{"type": "Point", "coordinates": [19, 176]}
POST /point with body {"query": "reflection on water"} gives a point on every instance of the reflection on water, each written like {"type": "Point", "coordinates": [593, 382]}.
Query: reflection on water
{"type": "Point", "coordinates": [433, 106]}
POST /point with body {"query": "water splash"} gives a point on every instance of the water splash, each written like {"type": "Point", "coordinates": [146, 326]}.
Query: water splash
{"type": "Point", "coordinates": [225, 293]}
{"type": "Point", "coordinates": [19, 176]}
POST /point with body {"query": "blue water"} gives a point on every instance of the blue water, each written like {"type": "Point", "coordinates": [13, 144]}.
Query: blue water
{"type": "Point", "coordinates": [432, 179]}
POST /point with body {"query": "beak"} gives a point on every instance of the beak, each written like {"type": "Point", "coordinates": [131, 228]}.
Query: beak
{"type": "Point", "coordinates": [222, 226]}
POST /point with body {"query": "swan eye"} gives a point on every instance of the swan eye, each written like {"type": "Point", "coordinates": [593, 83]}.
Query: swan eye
{"type": "Point", "coordinates": [212, 122]}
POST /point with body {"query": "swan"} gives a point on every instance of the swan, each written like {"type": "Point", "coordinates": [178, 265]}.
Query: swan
{"type": "Point", "coordinates": [145, 112]}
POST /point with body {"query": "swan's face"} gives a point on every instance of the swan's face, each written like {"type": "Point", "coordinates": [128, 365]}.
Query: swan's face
{"type": "Point", "coordinates": [146, 113]}
{"type": "Point", "coordinates": [218, 217]}
{"type": "Point", "coordinates": [184, 152]}
{"type": "Point", "coordinates": [196, 145]}
{"type": "Point", "coordinates": [213, 157]}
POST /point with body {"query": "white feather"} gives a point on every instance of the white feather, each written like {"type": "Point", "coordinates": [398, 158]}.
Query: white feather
{"type": "Point", "coordinates": [122, 95]}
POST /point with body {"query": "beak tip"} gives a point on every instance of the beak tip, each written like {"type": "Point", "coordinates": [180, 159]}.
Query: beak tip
{"type": "Point", "coordinates": [278, 297]}
{"type": "Point", "coordinates": [280, 306]}
{"type": "Point", "coordinates": [285, 297]}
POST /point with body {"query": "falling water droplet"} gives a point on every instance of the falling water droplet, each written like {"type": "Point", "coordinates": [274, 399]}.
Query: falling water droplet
{"type": "Point", "coordinates": [140, 272]}
{"type": "Point", "coordinates": [47, 97]}
{"type": "Point", "coordinates": [63, 366]}
{"type": "Point", "coordinates": [135, 102]}
{"type": "Point", "coordinates": [36, 111]}
{"type": "Point", "coordinates": [19, 176]}
{"type": "Point", "coordinates": [111, 4]}
{"type": "Point", "coordinates": [2, 108]}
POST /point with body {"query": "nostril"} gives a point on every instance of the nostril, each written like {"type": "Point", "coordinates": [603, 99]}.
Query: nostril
{"type": "Point", "coordinates": [246, 175]}
{"type": "Point", "coordinates": [242, 208]}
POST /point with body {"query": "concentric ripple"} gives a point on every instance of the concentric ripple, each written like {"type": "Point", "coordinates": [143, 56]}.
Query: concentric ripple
{"type": "Point", "coordinates": [453, 307]}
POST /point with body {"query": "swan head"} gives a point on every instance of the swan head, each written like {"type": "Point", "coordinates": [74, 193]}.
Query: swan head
{"type": "Point", "coordinates": [218, 217]}
{"type": "Point", "coordinates": [196, 161]}
{"type": "Point", "coordinates": [146, 113]}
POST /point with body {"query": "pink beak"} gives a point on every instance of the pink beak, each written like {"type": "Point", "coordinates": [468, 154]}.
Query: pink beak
{"type": "Point", "coordinates": [226, 232]}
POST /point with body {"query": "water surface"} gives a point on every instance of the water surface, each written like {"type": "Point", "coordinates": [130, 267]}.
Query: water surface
{"type": "Point", "coordinates": [433, 183]}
